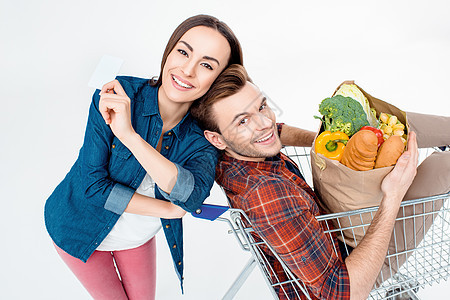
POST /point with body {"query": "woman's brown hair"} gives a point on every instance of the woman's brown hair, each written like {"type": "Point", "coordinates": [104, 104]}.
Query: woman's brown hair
{"type": "Point", "coordinates": [207, 21]}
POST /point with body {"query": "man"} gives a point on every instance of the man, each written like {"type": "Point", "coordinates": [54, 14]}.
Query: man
{"type": "Point", "coordinates": [281, 206]}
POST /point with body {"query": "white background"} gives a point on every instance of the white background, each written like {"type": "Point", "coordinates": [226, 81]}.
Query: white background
{"type": "Point", "coordinates": [298, 52]}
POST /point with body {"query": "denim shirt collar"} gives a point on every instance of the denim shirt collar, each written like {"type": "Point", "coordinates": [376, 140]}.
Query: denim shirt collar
{"type": "Point", "coordinates": [151, 108]}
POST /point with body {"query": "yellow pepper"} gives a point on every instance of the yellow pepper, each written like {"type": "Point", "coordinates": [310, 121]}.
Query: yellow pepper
{"type": "Point", "coordinates": [331, 144]}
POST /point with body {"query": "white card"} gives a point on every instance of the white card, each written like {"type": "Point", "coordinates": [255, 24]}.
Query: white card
{"type": "Point", "coordinates": [106, 71]}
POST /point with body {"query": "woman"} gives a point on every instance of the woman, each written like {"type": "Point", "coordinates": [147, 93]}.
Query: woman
{"type": "Point", "coordinates": [106, 210]}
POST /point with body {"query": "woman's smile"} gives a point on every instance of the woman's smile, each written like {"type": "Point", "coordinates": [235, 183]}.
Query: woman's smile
{"type": "Point", "coordinates": [181, 84]}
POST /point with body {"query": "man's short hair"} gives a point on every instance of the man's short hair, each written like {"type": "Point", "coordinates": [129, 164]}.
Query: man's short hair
{"type": "Point", "coordinates": [229, 82]}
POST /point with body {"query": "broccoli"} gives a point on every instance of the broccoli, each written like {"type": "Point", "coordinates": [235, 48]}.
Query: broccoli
{"type": "Point", "coordinates": [342, 114]}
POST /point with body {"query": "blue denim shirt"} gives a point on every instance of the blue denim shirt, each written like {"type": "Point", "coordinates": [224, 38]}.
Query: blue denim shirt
{"type": "Point", "coordinates": [84, 207]}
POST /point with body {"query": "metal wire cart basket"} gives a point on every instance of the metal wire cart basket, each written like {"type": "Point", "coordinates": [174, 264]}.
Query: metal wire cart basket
{"type": "Point", "coordinates": [418, 255]}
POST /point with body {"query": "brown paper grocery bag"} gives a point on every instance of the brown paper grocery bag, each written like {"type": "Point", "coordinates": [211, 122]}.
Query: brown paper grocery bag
{"type": "Point", "coordinates": [343, 189]}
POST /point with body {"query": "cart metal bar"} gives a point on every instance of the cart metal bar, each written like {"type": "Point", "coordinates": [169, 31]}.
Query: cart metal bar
{"type": "Point", "coordinates": [240, 280]}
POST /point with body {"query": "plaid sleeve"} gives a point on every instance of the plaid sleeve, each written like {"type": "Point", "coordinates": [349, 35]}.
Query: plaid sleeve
{"type": "Point", "coordinates": [281, 217]}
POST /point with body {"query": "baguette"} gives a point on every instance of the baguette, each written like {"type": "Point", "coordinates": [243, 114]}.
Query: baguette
{"type": "Point", "coordinates": [389, 152]}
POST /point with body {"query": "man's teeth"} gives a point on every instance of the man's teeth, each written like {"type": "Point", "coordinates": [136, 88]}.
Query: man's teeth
{"type": "Point", "coordinates": [187, 86]}
{"type": "Point", "coordinates": [265, 139]}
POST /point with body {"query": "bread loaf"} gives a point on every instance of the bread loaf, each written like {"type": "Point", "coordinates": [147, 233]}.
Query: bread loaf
{"type": "Point", "coordinates": [361, 151]}
{"type": "Point", "coordinates": [389, 152]}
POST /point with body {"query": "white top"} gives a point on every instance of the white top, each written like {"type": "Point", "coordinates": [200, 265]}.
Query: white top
{"type": "Point", "coordinates": [133, 230]}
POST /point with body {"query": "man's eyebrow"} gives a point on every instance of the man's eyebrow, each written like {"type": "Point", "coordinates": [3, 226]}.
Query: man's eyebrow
{"type": "Point", "coordinates": [238, 115]}
{"type": "Point", "coordinates": [205, 57]}
{"type": "Point", "coordinates": [264, 99]}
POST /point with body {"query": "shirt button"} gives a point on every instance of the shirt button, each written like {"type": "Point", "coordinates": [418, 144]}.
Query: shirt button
{"type": "Point", "coordinates": [174, 246]}
{"type": "Point", "coordinates": [294, 177]}
{"type": "Point", "coordinates": [169, 133]}
{"type": "Point", "coordinates": [167, 147]}
{"type": "Point", "coordinates": [167, 226]}
{"type": "Point", "coordinates": [113, 146]}
{"type": "Point", "coordinates": [179, 263]}
{"type": "Point", "coordinates": [198, 211]}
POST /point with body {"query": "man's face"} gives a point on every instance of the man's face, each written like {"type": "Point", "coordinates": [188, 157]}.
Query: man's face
{"type": "Point", "coordinates": [247, 125]}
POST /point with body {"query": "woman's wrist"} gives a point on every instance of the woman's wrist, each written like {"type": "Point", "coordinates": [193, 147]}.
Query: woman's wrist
{"type": "Point", "coordinates": [130, 140]}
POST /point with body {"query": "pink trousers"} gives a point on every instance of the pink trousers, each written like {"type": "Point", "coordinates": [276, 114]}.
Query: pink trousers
{"type": "Point", "coordinates": [136, 268]}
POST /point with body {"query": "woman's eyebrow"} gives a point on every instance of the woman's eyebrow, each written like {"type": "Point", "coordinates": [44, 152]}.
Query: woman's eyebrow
{"type": "Point", "coordinates": [205, 57]}
{"type": "Point", "coordinates": [211, 58]}
{"type": "Point", "coordinates": [187, 45]}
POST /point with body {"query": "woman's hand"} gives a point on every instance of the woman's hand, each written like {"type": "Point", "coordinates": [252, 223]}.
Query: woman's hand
{"type": "Point", "coordinates": [115, 109]}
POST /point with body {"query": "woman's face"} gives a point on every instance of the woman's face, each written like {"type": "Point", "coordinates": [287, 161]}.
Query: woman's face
{"type": "Point", "coordinates": [194, 63]}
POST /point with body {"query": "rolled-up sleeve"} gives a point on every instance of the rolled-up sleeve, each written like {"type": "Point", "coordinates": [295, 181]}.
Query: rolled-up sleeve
{"type": "Point", "coordinates": [119, 198]}
{"type": "Point", "coordinates": [183, 187]}
{"type": "Point", "coordinates": [195, 179]}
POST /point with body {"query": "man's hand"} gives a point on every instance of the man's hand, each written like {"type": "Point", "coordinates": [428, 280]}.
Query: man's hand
{"type": "Point", "coordinates": [364, 263]}
{"type": "Point", "coordinates": [398, 181]}
{"type": "Point", "coordinates": [115, 109]}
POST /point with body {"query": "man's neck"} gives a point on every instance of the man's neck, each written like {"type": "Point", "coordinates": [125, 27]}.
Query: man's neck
{"type": "Point", "coordinates": [243, 158]}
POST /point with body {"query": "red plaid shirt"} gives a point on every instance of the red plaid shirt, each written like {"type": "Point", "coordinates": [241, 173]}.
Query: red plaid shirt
{"type": "Point", "coordinates": [282, 209]}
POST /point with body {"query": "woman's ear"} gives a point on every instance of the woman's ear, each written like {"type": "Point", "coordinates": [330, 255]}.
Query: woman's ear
{"type": "Point", "coordinates": [215, 139]}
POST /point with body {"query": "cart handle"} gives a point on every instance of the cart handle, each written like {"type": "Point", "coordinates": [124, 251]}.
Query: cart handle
{"type": "Point", "coordinates": [209, 211]}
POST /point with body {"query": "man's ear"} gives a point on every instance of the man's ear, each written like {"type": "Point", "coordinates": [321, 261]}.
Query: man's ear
{"type": "Point", "coordinates": [215, 139]}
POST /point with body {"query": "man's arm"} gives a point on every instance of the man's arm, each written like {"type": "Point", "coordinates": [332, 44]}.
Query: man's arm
{"type": "Point", "coordinates": [365, 261]}
{"type": "Point", "coordinates": [293, 136]}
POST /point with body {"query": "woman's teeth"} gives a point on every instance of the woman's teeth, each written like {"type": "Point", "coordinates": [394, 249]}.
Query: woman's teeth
{"type": "Point", "coordinates": [265, 139]}
{"type": "Point", "coordinates": [182, 84]}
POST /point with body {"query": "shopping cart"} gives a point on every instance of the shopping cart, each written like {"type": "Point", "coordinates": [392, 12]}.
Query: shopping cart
{"type": "Point", "coordinates": [410, 263]}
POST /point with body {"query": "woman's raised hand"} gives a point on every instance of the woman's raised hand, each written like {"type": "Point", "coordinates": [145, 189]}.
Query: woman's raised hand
{"type": "Point", "coordinates": [115, 109]}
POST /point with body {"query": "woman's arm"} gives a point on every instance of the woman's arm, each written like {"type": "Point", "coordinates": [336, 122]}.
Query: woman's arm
{"type": "Point", "coordinates": [143, 205]}
{"type": "Point", "coordinates": [97, 185]}
{"type": "Point", "coordinates": [198, 174]}
{"type": "Point", "coordinates": [153, 162]}
{"type": "Point", "coordinates": [93, 162]}
{"type": "Point", "coordinates": [116, 111]}
{"type": "Point", "coordinates": [188, 185]}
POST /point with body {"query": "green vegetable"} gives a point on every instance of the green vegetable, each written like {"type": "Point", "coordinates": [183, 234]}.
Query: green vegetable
{"type": "Point", "coordinates": [342, 114]}
{"type": "Point", "coordinates": [351, 90]}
